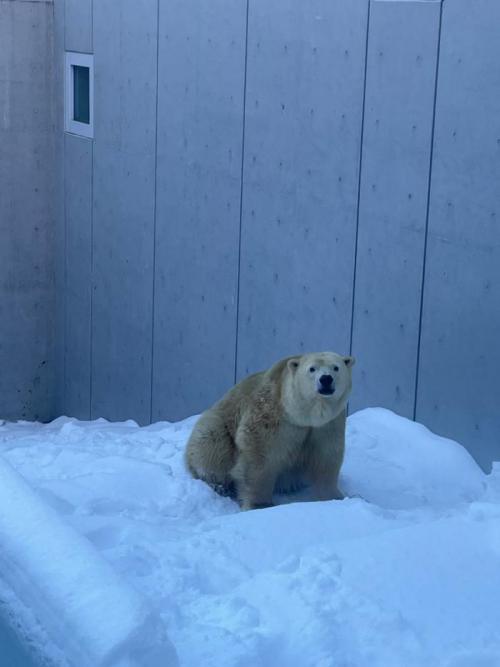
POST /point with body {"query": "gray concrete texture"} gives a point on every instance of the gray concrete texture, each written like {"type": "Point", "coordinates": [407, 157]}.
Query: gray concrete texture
{"type": "Point", "coordinates": [27, 211]}
{"type": "Point", "coordinates": [273, 177]}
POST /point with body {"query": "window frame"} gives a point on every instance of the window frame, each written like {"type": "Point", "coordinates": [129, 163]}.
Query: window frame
{"type": "Point", "coordinates": [71, 125]}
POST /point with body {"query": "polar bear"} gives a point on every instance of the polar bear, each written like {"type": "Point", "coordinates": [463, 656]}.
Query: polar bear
{"type": "Point", "coordinates": [284, 423]}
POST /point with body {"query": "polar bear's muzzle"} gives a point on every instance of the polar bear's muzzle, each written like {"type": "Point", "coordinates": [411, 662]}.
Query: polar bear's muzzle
{"type": "Point", "coordinates": [326, 386]}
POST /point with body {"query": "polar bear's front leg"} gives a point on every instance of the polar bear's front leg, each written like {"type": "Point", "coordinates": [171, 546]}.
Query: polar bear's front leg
{"type": "Point", "coordinates": [324, 479]}
{"type": "Point", "coordinates": [325, 454]}
{"type": "Point", "coordinates": [253, 474]}
{"type": "Point", "coordinates": [254, 481]}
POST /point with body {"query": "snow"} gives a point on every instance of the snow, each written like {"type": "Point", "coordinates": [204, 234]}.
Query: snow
{"type": "Point", "coordinates": [49, 567]}
{"type": "Point", "coordinates": [405, 571]}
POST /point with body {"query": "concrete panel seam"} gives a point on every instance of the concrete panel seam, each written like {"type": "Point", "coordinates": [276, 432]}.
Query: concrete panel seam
{"type": "Point", "coordinates": [91, 323]}
{"type": "Point", "coordinates": [360, 171]}
{"type": "Point", "coordinates": [426, 232]}
{"type": "Point", "coordinates": [241, 194]}
{"type": "Point", "coordinates": [155, 210]}
{"type": "Point", "coordinates": [92, 279]}
{"type": "Point", "coordinates": [65, 279]}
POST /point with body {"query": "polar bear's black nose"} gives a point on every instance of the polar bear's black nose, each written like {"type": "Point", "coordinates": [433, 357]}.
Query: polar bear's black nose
{"type": "Point", "coordinates": [326, 380]}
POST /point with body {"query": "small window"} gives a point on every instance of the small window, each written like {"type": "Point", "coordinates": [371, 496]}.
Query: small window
{"type": "Point", "coordinates": [79, 94]}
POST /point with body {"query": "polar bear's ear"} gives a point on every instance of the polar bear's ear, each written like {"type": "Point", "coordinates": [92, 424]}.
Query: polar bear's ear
{"type": "Point", "coordinates": [293, 363]}
{"type": "Point", "coordinates": [349, 361]}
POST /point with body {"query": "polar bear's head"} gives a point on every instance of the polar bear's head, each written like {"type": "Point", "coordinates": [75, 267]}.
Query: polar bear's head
{"type": "Point", "coordinates": [317, 387]}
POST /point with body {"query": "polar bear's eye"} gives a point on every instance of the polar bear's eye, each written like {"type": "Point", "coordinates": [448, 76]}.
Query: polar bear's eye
{"type": "Point", "coordinates": [312, 369]}
{"type": "Point", "coordinates": [335, 368]}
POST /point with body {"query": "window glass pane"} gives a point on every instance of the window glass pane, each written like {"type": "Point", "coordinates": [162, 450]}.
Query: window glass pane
{"type": "Point", "coordinates": [81, 94]}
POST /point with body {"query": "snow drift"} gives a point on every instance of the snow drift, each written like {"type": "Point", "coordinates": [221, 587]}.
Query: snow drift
{"type": "Point", "coordinates": [57, 578]}
{"type": "Point", "coordinates": [406, 571]}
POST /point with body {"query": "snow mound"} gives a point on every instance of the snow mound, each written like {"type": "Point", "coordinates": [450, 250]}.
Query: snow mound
{"type": "Point", "coordinates": [406, 571]}
{"type": "Point", "coordinates": [87, 614]}
{"type": "Point", "coordinates": [400, 464]}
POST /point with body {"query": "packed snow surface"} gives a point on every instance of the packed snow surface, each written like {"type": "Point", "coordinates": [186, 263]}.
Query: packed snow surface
{"type": "Point", "coordinates": [72, 602]}
{"type": "Point", "coordinates": [405, 572]}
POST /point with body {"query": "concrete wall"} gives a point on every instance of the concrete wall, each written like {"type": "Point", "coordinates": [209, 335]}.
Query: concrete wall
{"type": "Point", "coordinates": [27, 210]}
{"type": "Point", "coordinates": [460, 326]}
{"type": "Point", "coordinates": [271, 177]}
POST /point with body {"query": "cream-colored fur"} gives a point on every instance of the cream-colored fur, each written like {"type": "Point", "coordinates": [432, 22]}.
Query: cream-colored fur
{"type": "Point", "coordinates": [276, 424]}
